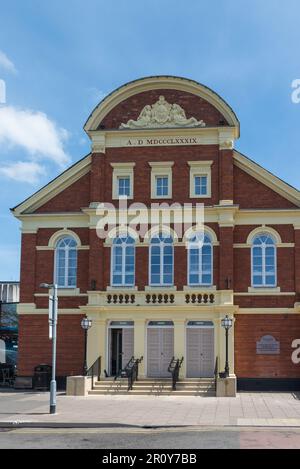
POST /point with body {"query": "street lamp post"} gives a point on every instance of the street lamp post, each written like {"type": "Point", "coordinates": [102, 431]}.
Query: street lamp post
{"type": "Point", "coordinates": [53, 300]}
{"type": "Point", "coordinates": [86, 324]}
{"type": "Point", "coordinates": [227, 324]}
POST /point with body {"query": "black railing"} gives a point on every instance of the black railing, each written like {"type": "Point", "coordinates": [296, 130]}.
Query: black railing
{"type": "Point", "coordinates": [133, 372]}
{"type": "Point", "coordinates": [95, 370]}
{"type": "Point", "coordinates": [216, 371]}
{"type": "Point", "coordinates": [174, 368]}
{"type": "Point", "coordinates": [130, 371]}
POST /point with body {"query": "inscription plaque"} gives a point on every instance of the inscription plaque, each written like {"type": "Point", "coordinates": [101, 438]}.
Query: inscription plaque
{"type": "Point", "coordinates": [268, 345]}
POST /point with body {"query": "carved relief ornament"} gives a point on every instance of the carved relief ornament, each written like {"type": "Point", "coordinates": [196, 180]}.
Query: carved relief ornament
{"type": "Point", "coordinates": [162, 115]}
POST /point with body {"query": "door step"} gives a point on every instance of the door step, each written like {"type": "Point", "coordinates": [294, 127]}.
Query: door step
{"type": "Point", "coordinates": [157, 387]}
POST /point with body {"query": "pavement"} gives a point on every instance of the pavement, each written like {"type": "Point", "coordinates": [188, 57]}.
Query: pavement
{"type": "Point", "coordinates": [110, 440]}
{"type": "Point", "coordinates": [265, 410]}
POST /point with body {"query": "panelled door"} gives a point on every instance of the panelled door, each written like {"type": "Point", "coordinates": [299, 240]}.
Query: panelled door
{"type": "Point", "coordinates": [127, 345]}
{"type": "Point", "coordinates": [160, 350]}
{"type": "Point", "coordinates": [200, 352]}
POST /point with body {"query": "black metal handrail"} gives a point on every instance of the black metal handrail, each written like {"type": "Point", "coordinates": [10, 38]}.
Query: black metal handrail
{"type": "Point", "coordinates": [95, 370]}
{"type": "Point", "coordinates": [174, 368]}
{"type": "Point", "coordinates": [216, 371]}
{"type": "Point", "coordinates": [123, 372]}
{"type": "Point", "coordinates": [133, 372]}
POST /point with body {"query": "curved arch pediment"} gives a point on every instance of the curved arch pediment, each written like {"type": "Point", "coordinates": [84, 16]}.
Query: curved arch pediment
{"type": "Point", "coordinates": [177, 117]}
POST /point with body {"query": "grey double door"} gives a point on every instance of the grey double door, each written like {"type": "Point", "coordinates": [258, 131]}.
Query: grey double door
{"type": "Point", "coordinates": [200, 352]}
{"type": "Point", "coordinates": [160, 350]}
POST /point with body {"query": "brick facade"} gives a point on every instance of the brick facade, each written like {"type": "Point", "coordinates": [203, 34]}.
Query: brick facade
{"type": "Point", "coordinates": [231, 263]}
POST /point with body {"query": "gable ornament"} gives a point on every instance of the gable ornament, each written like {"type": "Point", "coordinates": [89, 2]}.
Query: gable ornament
{"type": "Point", "coordinates": [161, 115]}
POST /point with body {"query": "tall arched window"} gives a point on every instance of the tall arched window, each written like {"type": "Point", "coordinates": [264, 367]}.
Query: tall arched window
{"type": "Point", "coordinates": [66, 262]}
{"type": "Point", "coordinates": [123, 260]}
{"type": "Point", "coordinates": [161, 260]}
{"type": "Point", "coordinates": [200, 260]}
{"type": "Point", "coordinates": [263, 261]}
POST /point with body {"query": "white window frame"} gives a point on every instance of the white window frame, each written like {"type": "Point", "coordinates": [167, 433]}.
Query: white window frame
{"type": "Point", "coordinates": [161, 169]}
{"type": "Point", "coordinates": [122, 170]}
{"type": "Point", "coordinates": [161, 245]}
{"type": "Point", "coordinates": [200, 168]}
{"type": "Point", "coordinates": [68, 287]}
{"type": "Point", "coordinates": [263, 285]}
{"type": "Point", "coordinates": [123, 273]}
{"type": "Point", "coordinates": [212, 265]}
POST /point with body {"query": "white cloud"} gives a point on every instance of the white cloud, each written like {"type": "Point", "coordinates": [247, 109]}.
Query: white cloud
{"type": "Point", "coordinates": [6, 63]}
{"type": "Point", "coordinates": [23, 171]}
{"type": "Point", "coordinates": [35, 132]}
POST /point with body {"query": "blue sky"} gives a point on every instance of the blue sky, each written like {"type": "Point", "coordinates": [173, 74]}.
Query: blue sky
{"type": "Point", "coordinates": [59, 58]}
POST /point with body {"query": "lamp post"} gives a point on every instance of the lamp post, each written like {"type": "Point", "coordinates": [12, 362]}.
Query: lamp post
{"type": "Point", "coordinates": [53, 300]}
{"type": "Point", "coordinates": [86, 324]}
{"type": "Point", "coordinates": [227, 324]}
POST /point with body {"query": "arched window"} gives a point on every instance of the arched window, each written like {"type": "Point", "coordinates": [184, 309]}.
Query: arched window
{"type": "Point", "coordinates": [161, 260]}
{"type": "Point", "coordinates": [263, 256]}
{"type": "Point", "coordinates": [200, 260]}
{"type": "Point", "coordinates": [123, 260]}
{"type": "Point", "coordinates": [66, 262]}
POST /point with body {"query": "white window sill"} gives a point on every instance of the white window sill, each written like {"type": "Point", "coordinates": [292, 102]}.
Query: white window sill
{"type": "Point", "coordinates": [263, 289]}
{"type": "Point", "coordinates": [159, 287]}
{"type": "Point", "coordinates": [121, 287]}
{"type": "Point", "coordinates": [199, 287]}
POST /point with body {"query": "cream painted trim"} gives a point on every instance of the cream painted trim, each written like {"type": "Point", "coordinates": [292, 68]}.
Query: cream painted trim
{"type": "Point", "coordinates": [48, 248]}
{"type": "Point", "coordinates": [122, 170]}
{"type": "Point", "coordinates": [62, 233]}
{"type": "Point", "coordinates": [267, 178]}
{"type": "Point", "coordinates": [33, 222]}
{"type": "Point", "coordinates": [191, 288]}
{"type": "Point", "coordinates": [46, 312]}
{"type": "Point", "coordinates": [111, 289]}
{"type": "Point", "coordinates": [249, 246]}
{"type": "Point", "coordinates": [194, 229]}
{"type": "Point", "coordinates": [155, 83]}
{"type": "Point", "coordinates": [265, 292]}
{"type": "Point", "coordinates": [123, 165]}
{"type": "Point", "coordinates": [156, 230]}
{"type": "Point", "coordinates": [64, 292]}
{"type": "Point", "coordinates": [56, 186]}
{"type": "Point", "coordinates": [264, 229]}
{"type": "Point", "coordinates": [161, 164]}
{"type": "Point", "coordinates": [200, 168]}
{"type": "Point", "coordinates": [269, 311]}
{"type": "Point", "coordinates": [161, 288]}
{"type": "Point", "coordinates": [119, 230]}
{"type": "Point", "coordinates": [161, 169]}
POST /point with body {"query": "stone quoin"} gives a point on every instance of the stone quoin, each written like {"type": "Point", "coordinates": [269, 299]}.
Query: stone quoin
{"type": "Point", "coordinates": [171, 140]}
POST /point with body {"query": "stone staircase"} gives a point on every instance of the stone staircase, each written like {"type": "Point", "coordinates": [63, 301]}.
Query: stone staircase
{"type": "Point", "coordinates": [156, 387]}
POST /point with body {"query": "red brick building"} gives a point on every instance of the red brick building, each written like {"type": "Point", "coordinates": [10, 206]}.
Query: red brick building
{"type": "Point", "coordinates": [161, 293]}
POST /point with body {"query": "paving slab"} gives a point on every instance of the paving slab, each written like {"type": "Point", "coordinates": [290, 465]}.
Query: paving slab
{"type": "Point", "coordinates": [247, 409]}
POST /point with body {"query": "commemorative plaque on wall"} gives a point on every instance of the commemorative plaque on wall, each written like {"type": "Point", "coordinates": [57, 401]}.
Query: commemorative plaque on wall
{"type": "Point", "coordinates": [267, 345]}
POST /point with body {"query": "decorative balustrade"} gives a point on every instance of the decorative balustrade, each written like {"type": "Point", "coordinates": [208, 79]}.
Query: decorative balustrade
{"type": "Point", "coordinates": [160, 298]}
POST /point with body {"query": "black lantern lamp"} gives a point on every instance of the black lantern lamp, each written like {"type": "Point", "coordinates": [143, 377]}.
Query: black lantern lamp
{"type": "Point", "coordinates": [227, 324]}
{"type": "Point", "coordinates": [86, 324]}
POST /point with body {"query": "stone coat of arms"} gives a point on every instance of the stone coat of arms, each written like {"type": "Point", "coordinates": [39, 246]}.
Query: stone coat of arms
{"type": "Point", "coordinates": [162, 114]}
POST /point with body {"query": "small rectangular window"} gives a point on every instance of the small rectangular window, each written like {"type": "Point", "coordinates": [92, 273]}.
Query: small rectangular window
{"type": "Point", "coordinates": [162, 186]}
{"type": "Point", "coordinates": [124, 186]}
{"type": "Point", "coordinates": [200, 183]}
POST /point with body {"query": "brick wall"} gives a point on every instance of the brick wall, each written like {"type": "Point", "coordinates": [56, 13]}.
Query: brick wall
{"type": "Point", "coordinates": [35, 346]}
{"type": "Point", "coordinates": [248, 329]}
{"type": "Point", "coordinates": [193, 106]}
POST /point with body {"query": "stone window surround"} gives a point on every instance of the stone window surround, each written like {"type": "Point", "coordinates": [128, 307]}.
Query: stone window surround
{"type": "Point", "coordinates": [163, 168]}
{"type": "Point", "coordinates": [200, 168]}
{"type": "Point", "coordinates": [122, 170]}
